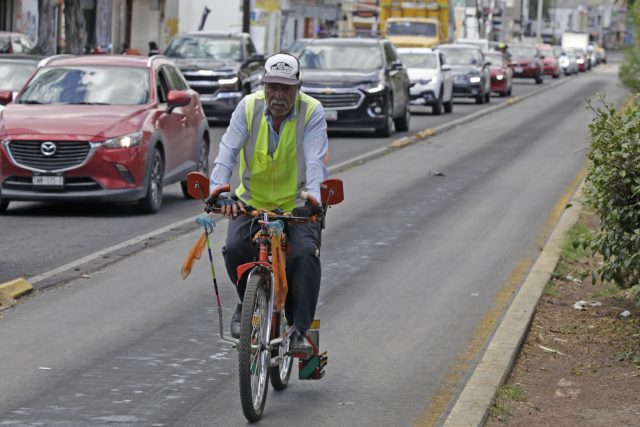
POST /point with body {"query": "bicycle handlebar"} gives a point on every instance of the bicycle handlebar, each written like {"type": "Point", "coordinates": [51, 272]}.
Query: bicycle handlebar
{"type": "Point", "coordinates": [251, 211]}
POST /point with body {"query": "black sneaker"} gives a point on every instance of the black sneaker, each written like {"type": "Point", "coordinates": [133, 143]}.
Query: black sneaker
{"type": "Point", "coordinates": [235, 322]}
{"type": "Point", "coordinates": [298, 344]}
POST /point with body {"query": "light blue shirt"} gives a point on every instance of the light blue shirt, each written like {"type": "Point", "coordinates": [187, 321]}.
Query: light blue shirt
{"type": "Point", "coordinates": [315, 146]}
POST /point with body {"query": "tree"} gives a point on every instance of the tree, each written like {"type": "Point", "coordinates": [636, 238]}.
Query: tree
{"type": "Point", "coordinates": [75, 27]}
{"type": "Point", "coordinates": [46, 32]}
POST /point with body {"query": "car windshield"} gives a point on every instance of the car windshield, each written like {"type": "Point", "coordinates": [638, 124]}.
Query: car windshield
{"type": "Point", "coordinates": [522, 51]}
{"type": "Point", "coordinates": [205, 48]}
{"type": "Point", "coordinates": [88, 85]}
{"type": "Point", "coordinates": [409, 28]}
{"type": "Point", "coordinates": [298, 45]}
{"type": "Point", "coordinates": [494, 57]}
{"type": "Point", "coordinates": [462, 56]}
{"type": "Point", "coordinates": [341, 57]}
{"type": "Point", "coordinates": [13, 76]}
{"type": "Point", "coordinates": [418, 60]}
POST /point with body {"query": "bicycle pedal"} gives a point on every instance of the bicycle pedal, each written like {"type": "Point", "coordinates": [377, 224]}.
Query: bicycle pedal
{"type": "Point", "coordinates": [312, 367]}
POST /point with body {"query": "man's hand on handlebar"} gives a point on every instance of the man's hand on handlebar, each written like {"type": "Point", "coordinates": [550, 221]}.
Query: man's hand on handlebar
{"type": "Point", "coordinates": [229, 207]}
{"type": "Point", "coordinates": [307, 210]}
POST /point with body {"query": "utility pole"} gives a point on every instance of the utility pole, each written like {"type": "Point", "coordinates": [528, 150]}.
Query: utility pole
{"type": "Point", "coordinates": [539, 32]}
{"type": "Point", "coordinates": [246, 18]}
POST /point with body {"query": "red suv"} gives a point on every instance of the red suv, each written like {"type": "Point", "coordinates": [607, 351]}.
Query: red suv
{"type": "Point", "coordinates": [111, 128]}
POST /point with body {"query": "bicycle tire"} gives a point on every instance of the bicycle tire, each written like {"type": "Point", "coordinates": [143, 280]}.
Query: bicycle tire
{"type": "Point", "coordinates": [253, 369]}
{"type": "Point", "coordinates": [279, 374]}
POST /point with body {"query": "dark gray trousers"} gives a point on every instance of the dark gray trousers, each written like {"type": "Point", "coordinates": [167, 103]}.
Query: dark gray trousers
{"type": "Point", "coordinates": [303, 265]}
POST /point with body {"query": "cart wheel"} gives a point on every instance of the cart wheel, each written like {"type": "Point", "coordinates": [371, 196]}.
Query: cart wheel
{"type": "Point", "coordinates": [279, 374]}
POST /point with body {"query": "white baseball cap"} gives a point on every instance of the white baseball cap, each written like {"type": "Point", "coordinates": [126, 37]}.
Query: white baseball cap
{"type": "Point", "coordinates": [281, 68]}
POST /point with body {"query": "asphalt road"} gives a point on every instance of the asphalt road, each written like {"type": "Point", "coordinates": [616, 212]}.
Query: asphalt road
{"type": "Point", "coordinates": [37, 237]}
{"type": "Point", "coordinates": [412, 263]}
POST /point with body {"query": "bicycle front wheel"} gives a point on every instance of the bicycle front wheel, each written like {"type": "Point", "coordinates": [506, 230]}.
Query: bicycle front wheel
{"type": "Point", "coordinates": [253, 348]}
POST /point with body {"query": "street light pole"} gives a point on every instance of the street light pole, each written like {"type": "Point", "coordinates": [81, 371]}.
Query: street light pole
{"type": "Point", "coordinates": [539, 32]}
{"type": "Point", "coordinates": [246, 21]}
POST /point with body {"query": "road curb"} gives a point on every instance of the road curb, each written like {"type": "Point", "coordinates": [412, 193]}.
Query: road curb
{"type": "Point", "coordinates": [472, 406]}
{"type": "Point", "coordinates": [16, 288]}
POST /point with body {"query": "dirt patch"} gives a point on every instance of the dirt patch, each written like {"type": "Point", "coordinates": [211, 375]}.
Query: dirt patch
{"type": "Point", "coordinates": [576, 367]}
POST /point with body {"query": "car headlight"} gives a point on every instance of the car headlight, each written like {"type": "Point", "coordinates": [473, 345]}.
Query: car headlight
{"type": "Point", "coordinates": [474, 79]}
{"type": "Point", "coordinates": [373, 87]}
{"type": "Point", "coordinates": [431, 80]}
{"type": "Point", "coordinates": [230, 83]}
{"type": "Point", "coordinates": [126, 141]}
{"type": "Point", "coordinates": [580, 61]}
{"type": "Point", "coordinates": [500, 77]}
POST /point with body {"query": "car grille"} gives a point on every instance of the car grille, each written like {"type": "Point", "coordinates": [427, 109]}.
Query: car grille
{"type": "Point", "coordinates": [338, 100]}
{"type": "Point", "coordinates": [68, 154]}
{"type": "Point", "coordinates": [71, 184]}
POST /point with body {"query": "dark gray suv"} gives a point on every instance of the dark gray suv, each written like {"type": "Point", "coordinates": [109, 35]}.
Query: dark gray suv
{"type": "Point", "coordinates": [221, 67]}
{"type": "Point", "coordinates": [360, 82]}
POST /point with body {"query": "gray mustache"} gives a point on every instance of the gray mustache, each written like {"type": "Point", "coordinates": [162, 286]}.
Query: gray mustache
{"type": "Point", "coordinates": [278, 103]}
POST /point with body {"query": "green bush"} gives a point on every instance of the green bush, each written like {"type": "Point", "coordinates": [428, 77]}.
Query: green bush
{"type": "Point", "coordinates": [613, 191]}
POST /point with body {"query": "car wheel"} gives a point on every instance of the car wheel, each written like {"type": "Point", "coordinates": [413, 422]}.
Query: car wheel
{"type": "Point", "coordinates": [4, 204]}
{"type": "Point", "coordinates": [556, 76]}
{"type": "Point", "coordinates": [202, 165]}
{"type": "Point", "coordinates": [448, 106]}
{"type": "Point", "coordinates": [153, 200]}
{"type": "Point", "coordinates": [480, 99]}
{"type": "Point", "coordinates": [402, 124]}
{"type": "Point", "coordinates": [388, 127]}
{"type": "Point", "coordinates": [437, 108]}
{"type": "Point", "coordinates": [487, 97]}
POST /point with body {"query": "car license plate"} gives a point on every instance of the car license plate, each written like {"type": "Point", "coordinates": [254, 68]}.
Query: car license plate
{"type": "Point", "coordinates": [48, 180]}
{"type": "Point", "coordinates": [330, 115]}
{"type": "Point", "coordinates": [517, 70]}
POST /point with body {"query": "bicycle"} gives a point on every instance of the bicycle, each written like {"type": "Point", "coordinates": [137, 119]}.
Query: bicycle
{"type": "Point", "coordinates": [263, 345]}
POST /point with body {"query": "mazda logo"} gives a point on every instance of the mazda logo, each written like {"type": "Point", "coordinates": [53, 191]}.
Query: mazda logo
{"type": "Point", "coordinates": [48, 148]}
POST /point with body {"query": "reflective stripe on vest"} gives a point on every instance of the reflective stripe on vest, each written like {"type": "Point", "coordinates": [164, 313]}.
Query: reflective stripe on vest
{"type": "Point", "coordinates": [274, 181]}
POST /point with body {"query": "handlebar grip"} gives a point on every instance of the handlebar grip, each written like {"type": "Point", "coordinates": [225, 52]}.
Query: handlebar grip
{"type": "Point", "coordinates": [213, 197]}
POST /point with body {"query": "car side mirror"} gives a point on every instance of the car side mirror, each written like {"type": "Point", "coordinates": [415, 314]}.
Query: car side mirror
{"type": "Point", "coordinates": [396, 65]}
{"type": "Point", "coordinates": [177, 98]}
{"type": "Point", "coordinates": [256, 58]}
{"type": "Point", "coordinates": [6, 96]}
{"type": "Point", "coordinates": [446, 67]}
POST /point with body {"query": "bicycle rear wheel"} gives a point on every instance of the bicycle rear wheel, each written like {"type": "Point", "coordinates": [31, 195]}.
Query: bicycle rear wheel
{"type": "Point", "coordinates": [279, 374]}
{"type": "Point", "coordinates": [253, 349]}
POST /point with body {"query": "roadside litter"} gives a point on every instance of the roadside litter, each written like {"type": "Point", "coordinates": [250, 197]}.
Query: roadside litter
{"type": "Point", "coordinates": [583, 305]}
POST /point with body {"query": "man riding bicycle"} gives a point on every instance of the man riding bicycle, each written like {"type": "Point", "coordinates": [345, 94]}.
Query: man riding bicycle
{"type": "Point", "coordinates": [280, 135]}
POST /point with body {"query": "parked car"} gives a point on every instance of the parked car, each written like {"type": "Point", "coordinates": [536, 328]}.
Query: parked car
{"type": "Point", "coordinates": [15, 70]}
{"type": "Point", "coordinates": [501, 73]}
{"type": "Point", "coordinates": [550, 64]}
{"type": "Point", "coordinates": [360, 82]}
{"type": "Point", "coordinates": [111, 128]}
{"type": "Point", "coordinates": [431, 78]}
{"type": "Point", "coordinates": [221, 67]}
{"type": "Point", "coordinates": [568, 61]}
{"type": "Point", "coordinates": [15, 43]}
{"type": "Point", "coordinates": [471, 73]}
{"type": "Point", "coordinates": [526, 62]}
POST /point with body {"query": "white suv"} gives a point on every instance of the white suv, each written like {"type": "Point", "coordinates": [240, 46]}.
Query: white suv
{"type": "Point", "coordinates": [431, 79]}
